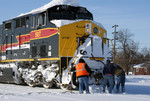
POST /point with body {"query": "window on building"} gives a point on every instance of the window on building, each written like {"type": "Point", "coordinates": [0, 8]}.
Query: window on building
{"type": "Point", "coordinates": [42, 19]}
{"type": "Point", "coordinates": [137, 69]}
{"type": "Point", "coordinates": [27, 22]}
{"type": "Point", "coordinates": [23, 22]}
{"type": "Point", "coordinates": [34, 21]}
{"type": "Point", "coordinates": [7, 25]}
{"type": "Point", "coordinates": [27, 18]}
{"type": "Point", "coordinates": [17, 23]}
{"type": "Point", "coordinates": [32, 25]}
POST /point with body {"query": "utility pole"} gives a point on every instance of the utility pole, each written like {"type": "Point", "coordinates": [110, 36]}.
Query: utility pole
{"type": "Point", "coordinates": [114, 48]}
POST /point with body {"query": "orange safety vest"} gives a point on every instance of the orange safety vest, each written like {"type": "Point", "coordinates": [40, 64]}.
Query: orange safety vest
{"type": "Point", "coordinates": [80, 70]}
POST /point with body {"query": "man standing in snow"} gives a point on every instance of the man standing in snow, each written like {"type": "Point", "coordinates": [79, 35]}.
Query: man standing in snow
{"type": "Point", "coordinates": [82, 73]}
{"type": "Point", "coordinates": [108, 73]}
{"type": "Point", "coordinates": [120, 73]}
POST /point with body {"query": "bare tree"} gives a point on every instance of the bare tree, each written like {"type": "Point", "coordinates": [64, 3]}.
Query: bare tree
{"type": "Point", "coordinates": [127, 49]}
{"type": "Point", "coordinates": [146, 53]}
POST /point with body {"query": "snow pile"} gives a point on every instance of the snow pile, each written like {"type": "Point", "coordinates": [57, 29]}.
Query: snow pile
{"type": "Point", "coordinates": [142, 79]}
{"type": "Point", "coordinates": [60, 23]}
{"type": "Point", "coordinates": [51, 4]}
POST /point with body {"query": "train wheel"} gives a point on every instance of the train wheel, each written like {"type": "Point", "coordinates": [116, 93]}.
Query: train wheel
{"type": "Point", "coordinates": [31, 84]}
{"type": "Point", "coordinates": [66, 87]}
{"type": "Point", "coordinates": [48, 85]}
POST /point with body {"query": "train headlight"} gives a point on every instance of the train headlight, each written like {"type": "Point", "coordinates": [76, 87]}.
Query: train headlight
{"type": "Point", "coordinates": [88, 28]}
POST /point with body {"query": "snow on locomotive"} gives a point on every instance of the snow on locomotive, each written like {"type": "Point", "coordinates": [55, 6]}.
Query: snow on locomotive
{"type": "Point", "coordinates": [37, 48]}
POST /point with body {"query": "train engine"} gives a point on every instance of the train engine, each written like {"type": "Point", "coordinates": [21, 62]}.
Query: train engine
{"type": "Point", "coordinates": [38, 48]}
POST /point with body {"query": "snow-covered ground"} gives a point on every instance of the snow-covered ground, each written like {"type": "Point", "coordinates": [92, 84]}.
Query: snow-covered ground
{"type": "Point", "coordinates": [137, 89]}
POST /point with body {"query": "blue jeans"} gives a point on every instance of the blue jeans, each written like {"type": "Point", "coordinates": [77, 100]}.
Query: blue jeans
{"type": "Point", "coordinates": [108, 79]}
{"type": "Point", "coordinates": [120, 81]}
{"type": "Point", "coordinates": [83, 81]}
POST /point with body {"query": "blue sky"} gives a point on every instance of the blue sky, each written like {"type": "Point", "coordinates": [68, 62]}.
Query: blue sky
{"type": "Point", "coordinates": [133, 15]}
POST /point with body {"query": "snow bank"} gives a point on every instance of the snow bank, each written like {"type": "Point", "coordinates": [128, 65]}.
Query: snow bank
{"type": "Point", "coordinates": [135, 91]}
{"type": "Point", "coordinates": [52, 3]}
{"type": "Point", "coordinates": [139, 79]}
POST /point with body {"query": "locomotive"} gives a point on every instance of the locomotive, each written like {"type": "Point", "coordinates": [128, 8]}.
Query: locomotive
{"type": "Point", "coordinates": [38, 48]}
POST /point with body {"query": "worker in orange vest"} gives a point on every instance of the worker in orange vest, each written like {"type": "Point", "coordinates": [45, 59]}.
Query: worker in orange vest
{"type": "Point", "coordinates": [82, 73]}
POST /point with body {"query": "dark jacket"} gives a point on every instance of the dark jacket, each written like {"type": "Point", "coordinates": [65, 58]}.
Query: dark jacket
{"type": "Point", "coordinates": [109, 69]}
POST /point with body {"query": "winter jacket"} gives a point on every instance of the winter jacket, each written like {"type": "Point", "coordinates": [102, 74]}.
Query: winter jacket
{"type": "Point", "coordinates": [109, 69]}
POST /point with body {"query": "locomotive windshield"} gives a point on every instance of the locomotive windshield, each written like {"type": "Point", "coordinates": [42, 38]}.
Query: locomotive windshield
{"type": "Point", "coordinates": [66, 12]}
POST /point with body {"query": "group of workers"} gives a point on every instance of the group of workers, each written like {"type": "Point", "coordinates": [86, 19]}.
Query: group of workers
{"type": "Point", "coordinates": [110, 70]}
